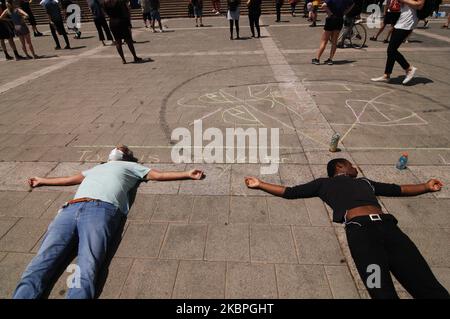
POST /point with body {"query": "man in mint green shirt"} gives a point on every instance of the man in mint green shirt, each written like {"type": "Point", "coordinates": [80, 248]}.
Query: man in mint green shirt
{"type": "Point", "coordinates": [90, 219]}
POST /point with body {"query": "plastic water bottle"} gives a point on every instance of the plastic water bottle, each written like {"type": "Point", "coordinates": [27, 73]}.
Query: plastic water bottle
{"type": "Point", "coordinates": [334, 142]}
{"type": "Point", "coordinates": [402, 161]}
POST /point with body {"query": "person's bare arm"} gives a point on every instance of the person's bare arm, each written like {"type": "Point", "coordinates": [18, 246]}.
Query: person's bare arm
{"type": "Point", "coordinates": [255, 183]}
{"type": "Point", "coordinates": [56, 181]}
{"type": "Point", "coordinates": [415, 4]}
{"type": "Point", "coordinates": [433, 185]}
{"type": "Point", "coordinates": [23, 13]}
{"type": "Point", "coordinates": [156, 175]}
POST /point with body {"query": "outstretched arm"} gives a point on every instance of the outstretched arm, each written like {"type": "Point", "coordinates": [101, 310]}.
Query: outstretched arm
{"type": "Point", "coordinates": [55, 181]}
{"type": "Point", "coordinates": [433, 185]}
{"type": "Point", "coordinates": [156, 175]}
{"type": "Point", "coordinates": [255, 183]}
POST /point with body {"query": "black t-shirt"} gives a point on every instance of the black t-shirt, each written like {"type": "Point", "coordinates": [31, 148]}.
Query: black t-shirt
{"type": "Point", "coordinates": [342, 193]}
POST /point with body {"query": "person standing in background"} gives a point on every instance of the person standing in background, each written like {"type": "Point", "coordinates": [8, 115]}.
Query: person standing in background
{"type": "Point", "coordinates": [7, 33]}
{"type": "Point", "coordinates": [55, 22]}
{"type": "Point", "coordinates": [278, 5]}
{"type": "Point", "coordinates": [234, 7]}
{"type": "Point", "coordinates": [25, 6]}
{"type": "Point", "coordinates": [293, 4]}
{"type": "Point", "coordinates": [254, 12]}
{"type": "Point", "coordinates": [100, 21]}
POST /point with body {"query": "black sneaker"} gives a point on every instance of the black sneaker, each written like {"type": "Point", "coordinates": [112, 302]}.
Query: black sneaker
{"type": "Point", "coordinates": [57, 47]}
{"type": "Point", "coordinates": [312, 25]}
{"type": "Point", "coordinates": [328, 61]}
{"type": "Point", "coordinates": [315, 61]}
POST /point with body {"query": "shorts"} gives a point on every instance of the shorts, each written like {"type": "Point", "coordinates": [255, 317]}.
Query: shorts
{"type": "Point", "coordinates": [391, 18]}
{"type": "Point", "coordinates": [154, 14]}
{"type": "Point", "coordinates": [21, 29]}
{"type": "Point", "coordinates": [334, 23]}
{"type": "Point", "coordinates": [198, 11]}
{"type": "Point", "coordinates": [146, 16]}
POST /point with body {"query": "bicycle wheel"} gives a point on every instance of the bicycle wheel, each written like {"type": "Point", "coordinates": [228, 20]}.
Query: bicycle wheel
{"type": "Point", "coordinates": [359, 36]}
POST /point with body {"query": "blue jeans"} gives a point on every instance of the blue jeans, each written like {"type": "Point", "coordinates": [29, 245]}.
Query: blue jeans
{"type": "Point", "coordinates": [92, 225]}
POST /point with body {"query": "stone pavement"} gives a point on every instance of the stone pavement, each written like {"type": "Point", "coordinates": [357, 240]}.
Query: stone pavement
{"type": "Point", "coordinates": [214, 238]}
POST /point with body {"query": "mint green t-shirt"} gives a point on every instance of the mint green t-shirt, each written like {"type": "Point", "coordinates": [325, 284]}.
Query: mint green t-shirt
{"type": "Point", "coordinates": [111, 182]}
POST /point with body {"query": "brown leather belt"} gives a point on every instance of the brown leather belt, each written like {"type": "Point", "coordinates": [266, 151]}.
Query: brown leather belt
{"type": "Point", "coordinates": [81, 200]}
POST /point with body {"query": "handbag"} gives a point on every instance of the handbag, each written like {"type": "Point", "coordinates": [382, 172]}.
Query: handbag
{"type": "Point", "coordinates": [394, 6]}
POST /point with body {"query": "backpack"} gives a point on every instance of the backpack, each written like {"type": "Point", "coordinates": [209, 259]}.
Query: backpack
{"type": "Point", "coordinates": [426, 10]}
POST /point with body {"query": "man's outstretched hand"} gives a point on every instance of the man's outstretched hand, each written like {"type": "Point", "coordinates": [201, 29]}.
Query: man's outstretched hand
{"type": "Point", "coordinates": [196, 174]}
{"type": "Point", "coordinates": [252, 182]}
{"type": "Point", "coordinates": [35, 182]}
{"type": "Point", "coordinates": [434, 185]}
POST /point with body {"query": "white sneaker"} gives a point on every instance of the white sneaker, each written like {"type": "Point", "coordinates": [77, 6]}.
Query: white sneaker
{"type": "Point", "coordinates": [380, 79]}
{"type": "Point", "coordinates": [409, 75]}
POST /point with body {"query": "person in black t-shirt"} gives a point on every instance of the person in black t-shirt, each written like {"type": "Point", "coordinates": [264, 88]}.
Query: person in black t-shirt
{"type": "Point", "coordinates": [373, 236]}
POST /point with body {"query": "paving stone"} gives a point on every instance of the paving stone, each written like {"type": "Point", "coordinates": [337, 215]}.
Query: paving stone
{"type": "Point", "coordinates": [228, 242]}
{"type": "Point", "coordinates": [33, 205]}
{"type": "Point", "coordinates": [143, 207]}
{"type": "Point", "coordinates": [200, 280]}
{"type": "Point", "coordinates": [424, 173]}
{"type": "Point", "coordinates": [341, 282]}
{"type": "Point", "coordinates": [210, 209]}
{"type": "Point", "coordinates": [17, 178]}
{"type": "Point", "coordinates": [249, 281]}
{"type": "Point", "coordinates": [117, 274]}
{"type": "Point", "coordinates": [150, 279]}
{"type": "Point", "coordinates": [57, 204]}
{"type": "Point", "coordinates": [302, 281]}
{"type": "Point", "coordinates": [11, 268]}
{"type": "Point", "coordinates": [216, 181]}
{"type": "Point", "coordinates": [6, 224]}
{"type": "Point", "coordinates": [272, 243]}
{"type": "Point", "coordinates": [248, 210]}
{"type": "Point", "coordinates": [317, 245]}
{"type": "Point", "coordinates": [287, 212]}
{"type": "Point", "coordinates": [317, 212]}
{"type": "Point", "coordinates": [184, 242]}
{"type": "Point", "coordinates": [432, 243]}
{"type": "Point", "coordinates": [10, 200]}
{"type": "Point", "coordinates": [24, 235]}
{"type": "Point", "coordinates": [173, 208]}
{"type": "Point", "coordinates": [142, 240]}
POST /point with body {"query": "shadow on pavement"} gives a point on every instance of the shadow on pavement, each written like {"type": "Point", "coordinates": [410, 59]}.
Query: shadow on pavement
{"type": "Point", "coordinates": [417, 80]}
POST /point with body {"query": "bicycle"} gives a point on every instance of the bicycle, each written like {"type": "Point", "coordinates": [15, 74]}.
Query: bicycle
{"type": "Point", "coordinates": [357, 35]}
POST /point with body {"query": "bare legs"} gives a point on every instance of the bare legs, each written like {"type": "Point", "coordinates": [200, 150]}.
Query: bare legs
{"type": "Point", "coordinates": [27, 39]}
{"type": "Point", "coordinates": [130, 47]}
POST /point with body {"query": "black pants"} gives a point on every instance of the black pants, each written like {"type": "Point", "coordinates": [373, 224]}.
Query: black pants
{"type": "Point", "coordinates": [58, 26]}
{"type": "Point", "coordinates": [101, 24]}
{"type": "Point", "coordinates": [236, 23]}
{"type": "Point", "coordinates": [278, 8]}
{"type": "Point", "coordinates": [397, 38]}
{"type": "Point", "coordinates": [383, 244]}
{"type": "Point", "coordinates": [253, 18]}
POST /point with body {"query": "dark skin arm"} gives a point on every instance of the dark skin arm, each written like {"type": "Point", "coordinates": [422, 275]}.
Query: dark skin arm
{"type": "Point", "coordinates": [433, 185]}
{"type": "Point", "coordinates": [255, 183]}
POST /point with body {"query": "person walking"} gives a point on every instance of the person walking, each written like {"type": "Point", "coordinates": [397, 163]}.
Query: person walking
{"type": "Point", "coordinates": [372, 235]}
{"type": "Point", "coordinates": [100, 21]}
{"type": "Point", "coordinates": [405, 24]}
{"type": "Point", "coordinates": [120, 25]}
{"type": "Point", "coordinates": [55, 22]}
{"type": "Point", "coordinates": [390, 17]}
{"type": "Point", "coordinates": [25, 6]}
{"type": "Point", "coordinates": [254, 12]}
{"type": "Point", "coordinates": [336, 9]}
{"type": "Point", "coordinates": [234, 7]}
{"type": "Point", "coordinates": [7, 33]}
{"type": "Point", "coordinates": [90, 221]}
{"type": "Point", "coordinates": [216, 6]}
{"type": "Point", "coordinates": [17, 16]}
